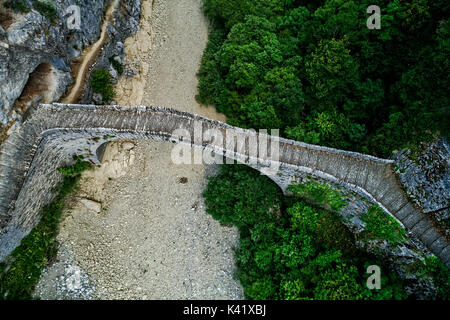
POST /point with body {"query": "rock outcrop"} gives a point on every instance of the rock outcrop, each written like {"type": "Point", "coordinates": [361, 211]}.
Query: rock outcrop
{"type": "Point", "coordinates": [125, 24]}
{"type": "Point", "coordinates": [425, 175]}
{"type": "Point", "coordinates": [33, 39]}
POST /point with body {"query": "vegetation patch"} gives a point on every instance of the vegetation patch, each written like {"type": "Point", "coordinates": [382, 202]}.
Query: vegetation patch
{"type": "Point", "coordinates": [381, 225]}
{"type": "Point", "coordinates": [436, 269]}
{"type": "Point", "coordinates": [20, 273]}
{"type": "Point", "coordinates": [321, 194]}
{"type": "Point", "coordinates": [289, 249]}
{"type": "Point", "coordinates": [313, 70]}
{"type": "Point", "coordinates": [5, 19]}
{"type": "Point", "coordinates": [17, 5]}
{"type": "Point", "coordinates": [101, 83]}
{"type": "Point", "coordinates": [47, 9]}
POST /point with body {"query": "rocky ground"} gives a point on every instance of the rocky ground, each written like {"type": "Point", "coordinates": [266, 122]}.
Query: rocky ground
{"type": "Point", "coordinates": [425, 175]}
{"type": "Point", "coordinates": [137, 228]}
{"type": "Point", "coordinates": [29, 40]}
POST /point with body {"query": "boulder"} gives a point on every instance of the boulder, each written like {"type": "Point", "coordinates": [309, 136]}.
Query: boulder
{"type": "Point", "coordinates": [92, 205]}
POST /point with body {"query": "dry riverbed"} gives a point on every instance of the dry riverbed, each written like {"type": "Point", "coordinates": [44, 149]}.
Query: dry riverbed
{"type": "Point", "coordinates": [137, 228]}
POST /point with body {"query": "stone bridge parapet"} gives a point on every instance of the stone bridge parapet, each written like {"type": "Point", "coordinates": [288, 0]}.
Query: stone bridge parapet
{"type": "Point", "coordinates": [52, 134]}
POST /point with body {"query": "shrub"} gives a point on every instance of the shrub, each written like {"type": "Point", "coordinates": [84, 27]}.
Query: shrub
{"type": "Point", "coordinates": [18, 5]}
{"type": "Point", "coordinates": [321, 194]}
{"type": "Point", "coordinates": [381, 225]}
{"type": "Point", "coordinates": [327, 80]}
{"type": "Point", "coordinates": [116, 65]}
{"type": "Point", "coordinates": [240, 196]}
{"type": "Point", "coordinates": [101, 83]}
{"type": "Point", "coordinates": [440, 273]}
{"type": "Point", "coordinates": [21, 271]}
{"type": "Point", "coordinates": [47, 9]}
{"type": "Point", "coordinates": [288, 249]}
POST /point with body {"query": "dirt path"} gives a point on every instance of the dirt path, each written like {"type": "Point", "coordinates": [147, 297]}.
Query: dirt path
{"type": "Point", "coordinates": [138, 227]}
{"type": "Point", "coordinates": [89, 57]}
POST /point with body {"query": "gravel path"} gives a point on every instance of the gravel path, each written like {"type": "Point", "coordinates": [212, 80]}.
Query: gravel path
{"type": "Point", "coordinates": [137, 229]}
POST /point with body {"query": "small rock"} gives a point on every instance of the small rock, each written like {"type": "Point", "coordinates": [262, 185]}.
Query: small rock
{"type": "Point", "coordinates": [183, 180]}
{"type": "Point", "coordinates": [130, 72]}
{"type": "Point", "coordinates": [128, 146]}
{"type": "Point", "coordinates": [92, 205]}
{"type": "Point", "coordinates": [97, 98]}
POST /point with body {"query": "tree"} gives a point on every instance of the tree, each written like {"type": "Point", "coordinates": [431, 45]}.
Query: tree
{"type": "Point", "coordinates": [331, 129]}
{"type": "Point", "coordinates": [257, 115]}
{"type": "Point", "coordinates": [332, 74]}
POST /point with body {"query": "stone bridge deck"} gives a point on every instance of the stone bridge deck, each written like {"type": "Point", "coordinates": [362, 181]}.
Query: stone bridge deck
{"type": "Point", "coordinates": [52, 134]}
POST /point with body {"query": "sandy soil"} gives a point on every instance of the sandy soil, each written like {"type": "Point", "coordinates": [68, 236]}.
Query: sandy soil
{"type": "Point", "coordinates": [137, 229]}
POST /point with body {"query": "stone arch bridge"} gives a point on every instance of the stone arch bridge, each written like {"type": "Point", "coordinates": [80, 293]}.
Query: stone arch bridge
{"type": "Point", "coordinates": [52, 134]}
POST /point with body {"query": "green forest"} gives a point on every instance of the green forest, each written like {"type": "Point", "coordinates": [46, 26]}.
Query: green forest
{"type": "Point", "coordinates": [288, 249]}
{"type": "Point", "coordinates": [315, 71]}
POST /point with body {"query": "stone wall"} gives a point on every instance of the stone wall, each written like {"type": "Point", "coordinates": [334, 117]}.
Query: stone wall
{"type": "Point", "coordinates": [52, 134]}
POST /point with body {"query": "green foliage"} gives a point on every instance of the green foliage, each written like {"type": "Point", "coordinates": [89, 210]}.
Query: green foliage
{"type": "Point", "coordinates": [116, 65]}
{"type": "Point", "coordinates": [321, 194]}
{"type": "Point", "coordinates": [381, 225]}
{"type": "Point", "coordinates": [47, 9]}
{"type": "Point", "coordinates": [324, 77]}
{"type": "Point", "coordinates": [258, 199]}
{"type": "Point", "coordinates": [18, 5]}
{"type": "Point", "coordinates": [211, 84]}
{"type": "Point", "coordinates": [257, 115]}
{"type": "Point", "coordinates": [314, 70]}
{"type": "Point", "coordinates": [440, 274]}
{"type": "Point", "coordinates": [101, 83]}
{"type": "Point", "coordinates": [20, 273]}
{"type": "Point", "coordinates": [231, 12]}
{"type": "Point", "coordinates": [329, 128]}
{"type": "Point", "coordinates": [290, 250]}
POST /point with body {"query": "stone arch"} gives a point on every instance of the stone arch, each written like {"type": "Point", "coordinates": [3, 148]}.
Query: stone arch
{"type": "Point", "coordinates": [53, 133]}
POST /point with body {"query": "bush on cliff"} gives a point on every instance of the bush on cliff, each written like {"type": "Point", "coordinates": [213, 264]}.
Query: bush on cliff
{"type": "Point", "coordinates": [21, 271]}
{"type": "Point", "coordinates": [101, 83]}
{"type": "Point", "coordinates": [47, 9]}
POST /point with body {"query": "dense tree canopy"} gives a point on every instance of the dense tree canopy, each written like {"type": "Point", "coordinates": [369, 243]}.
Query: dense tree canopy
{"type": "Point", "coordinates": [289, 250]}
{"type": "Point", "coordinates": [314, 69]}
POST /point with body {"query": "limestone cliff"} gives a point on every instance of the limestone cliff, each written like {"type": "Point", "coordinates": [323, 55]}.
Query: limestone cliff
{"type": "Point", "coordinates": [39, 49]}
